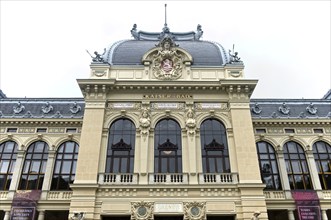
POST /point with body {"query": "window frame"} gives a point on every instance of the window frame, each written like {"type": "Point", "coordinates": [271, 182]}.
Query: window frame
{"type": "Point", "coordinates": [10, 158]}
{"type": "Point", "coordinates": [320, 158]}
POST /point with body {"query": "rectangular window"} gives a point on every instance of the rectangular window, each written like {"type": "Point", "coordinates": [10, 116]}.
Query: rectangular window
{"type": "Point", "coordinates": [71, 130]}
{"type": "Point", "coordinates": [12, 130]}
{"type": "Point", "coordinates": [260, 130]}
{"type": "Point", "coordinates": [289, 131]}
{"type": "Point", "coordinates": [41, 130]}
{"type": "Point", "coordinates": [318, 130]}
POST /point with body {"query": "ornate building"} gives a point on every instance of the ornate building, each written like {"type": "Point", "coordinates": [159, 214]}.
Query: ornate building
{"type": "Point", "coordinates": [166, 130]}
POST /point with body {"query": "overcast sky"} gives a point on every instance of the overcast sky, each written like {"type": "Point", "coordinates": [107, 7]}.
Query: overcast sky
{"type": "Point", "coordinates": [284, 44]}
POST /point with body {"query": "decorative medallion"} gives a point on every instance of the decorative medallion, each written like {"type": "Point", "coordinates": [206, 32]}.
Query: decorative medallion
{"type": "Point", "coordinates": [311, 109]}
{"type": "Point", "coordinates": [142, 210]}
{"type": "Point", "coordinates": [195, 210]}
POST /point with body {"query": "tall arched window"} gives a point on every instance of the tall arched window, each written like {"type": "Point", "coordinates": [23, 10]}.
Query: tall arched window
{"type": "Point", "coordinates": [8, 154]}
{"type": "Point", "coordinates": [268, 165]}
{"type": "Point", "coordinates": [34, 166]}
{"type": "Point", "coordinates": [121, 143]}
{"type": "Point", "coordinates": [65, 166]}
{"type": "Point", "coordinates": [167, 147]}
{"type": "Point", "coordinates": [214, 147]}
{"type": "Point", "coordinates": [296, 166]}
{"type": "Point", "coordinates": [322, 155]}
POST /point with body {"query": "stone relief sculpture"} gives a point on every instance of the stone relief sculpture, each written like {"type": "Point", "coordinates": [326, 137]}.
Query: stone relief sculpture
{"type": "Point", "coordinates": [190, 121]}
{"type": "Point", "coordinates": [19, 108]}
{"type": "Point", "coordinates": [167, 63]}
{"type": "Point", "coordinates": [142, 210]}
{"type": "Point", "coordinates": [284, 109]}
{"type": "Point", "coordinates": [47, 108]}
{"type": "Point", "coordinates": [194, 211]}
{"type": "Point", "coordinates": [311, 109]}
{"type": "Point", "coordinates": [75, 108]}
{"type": "Point", "coordinates": [145, 120]}
{"type": "Point", "coordinates": [256, 109]}
{"type": "Point", "coordinates": [256, 215]}
{"type": "Point", "coordinates": [78, 216]}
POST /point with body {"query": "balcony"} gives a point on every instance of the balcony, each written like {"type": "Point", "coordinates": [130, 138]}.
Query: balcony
{"type": "Point", "coordinates": [59, 195]}
{"type": "Point", "coordinates": [218, 178]}
{"type": "Point", "coordinates": [168, 178]}
{"type": "Point", "coordinates": [270, 195]}
{"type": "Point", "coordinates": [112, 178]}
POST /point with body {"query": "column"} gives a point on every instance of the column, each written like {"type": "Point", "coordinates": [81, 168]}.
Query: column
{"type": "Point", "coordinates": [290, 214]}
{"type": "Point", "coordinates": [324, 216]}
{"type": "Point", "coordinates": [313, 170]}
{"type": "Point", "coordinates": [48, 173]}
{"type": "Point", "coordinates": [283, 173]}
{"type": "Point", "coordinates": [7, 215]}
{"type": "Point", "coordinates": [17, 170]}
{"type": "Point", "coordinates": [41, 215]}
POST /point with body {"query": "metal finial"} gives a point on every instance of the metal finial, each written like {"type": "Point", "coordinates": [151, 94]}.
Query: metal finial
{"type": "Point", "coordinates": [165, 15]}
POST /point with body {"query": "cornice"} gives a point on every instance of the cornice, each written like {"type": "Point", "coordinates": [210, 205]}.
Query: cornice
{"type": "Point", "coordinates": [321, 121]}
{"type": "Point", "coordinates": [29, 121]}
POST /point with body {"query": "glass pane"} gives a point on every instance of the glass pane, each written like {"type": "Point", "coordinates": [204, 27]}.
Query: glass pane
{"type": "Point", "coordinates": [67, 156]}
{"type": "Point", "coordinates": [9, 147]}
{"type": "Point", "coordinates": [277, 182]}
{"type": "Point", "coordinates": [116, 165]}
{"type": "Point", "coordinates": [326, 166]}
{"type": "Point", "coordinates": [124, 163]}
{"type": "Point", "coordinates": [299, 182]}
{"type": "Point", "coordinates": [66, 166]}
{"type": "Point", "coordinates": [73, 170]}
{"type": "Point", "coordinates": [35, 166]}
{"type": "Point", "coordinates": [12, 166]}
{"type": "Point", "coordinates": [262, 147]}
{"type": "Point", "coordinates": [69, 147]}
{"type": "Point", "coordinates": [39, 147]}
{"type": "Point", "coordinates": [57, 167]}
{"type": "Point", "coordinates": [212, 165]}
{"type": "Point", "coordinates": [26, 166]}
{"type": "Point", "coordinates": [296, 167]}
{"type": "Point", "coordinates": [4, 166]}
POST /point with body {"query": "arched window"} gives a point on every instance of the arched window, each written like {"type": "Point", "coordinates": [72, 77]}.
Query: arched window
{"type": "Point", "coordinates": [167, 147]}
{"type": "Point", "coordinates": [322, 155]}
{"type": "Point", "coordinates": [34, 166]}
{"type": "Point", "coordinates": [296, 166]}
{"type": "Point", "coordinates": [268, 165]}
{"type": "Point", "coordinates": [8, 154]}
{"type": "Point", "coordinates": [214, 147]}
{"type": "Point", "coordinates": [121, 143]}
{"type": "Point", "coordinates": [65, 166]}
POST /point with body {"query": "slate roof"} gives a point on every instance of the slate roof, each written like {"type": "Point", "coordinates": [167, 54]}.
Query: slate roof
{"type": "Point", "coordinates": [74, 108]}
{"type": "Point", "coordinates": [290, 108]}
{"type": "Point", "coordinates": [204, 53]}
{"type": "Point", "coordinates": [42, 108]}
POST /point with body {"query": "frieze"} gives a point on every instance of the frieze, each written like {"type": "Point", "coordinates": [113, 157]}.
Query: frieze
{"type": "Point", "coordinates": [124, 105]}
{"type": "Point", "coordinates": [26, 130]}
{"type": "Point", "coordinates": [167, 105]}
{"type": "Point", "coordinates": [168, 96]}
{"type": "Point", "coordinates": [222, 106]}
{"type": "Point", "coordinates": [168, 207]}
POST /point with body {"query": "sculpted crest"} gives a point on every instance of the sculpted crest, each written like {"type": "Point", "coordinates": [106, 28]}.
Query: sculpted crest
{"type": "Point", "coordinates": [167, 60]}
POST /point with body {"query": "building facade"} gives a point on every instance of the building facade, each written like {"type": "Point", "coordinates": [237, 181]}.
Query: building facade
{"type": "Point", "coordinates": [166, 130]}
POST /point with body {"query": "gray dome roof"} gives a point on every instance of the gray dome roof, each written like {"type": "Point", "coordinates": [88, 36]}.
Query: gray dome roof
{"type": "Point", "coordinates": [130, 52]}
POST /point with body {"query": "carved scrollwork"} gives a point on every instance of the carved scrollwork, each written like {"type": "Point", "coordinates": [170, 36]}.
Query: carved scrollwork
{"type": "Point", "coordinates": [142, 210]}
{"type": "Point", "coordinates": [256, 109]}
{"type": "Point", "coordinates": [311, 109]}
{"type": "Point", "coordinates": [284, 109]}
{"type": "Point", "coordinates": [47, 108]}
{"type": "Point", "coordinates": [75, 108]}
{"type": "Point", "coordinates": [18, 108]}
{"type": "Point", "coordinates": [194, 210]}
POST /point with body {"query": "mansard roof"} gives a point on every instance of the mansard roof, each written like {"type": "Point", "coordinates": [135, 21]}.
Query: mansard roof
{"type": "Point", "coordinates": [42, 108]}
{"type": "Point", "coordinates": [290, 108]}
{"type": "Point", "coordinates": [130, 52]}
